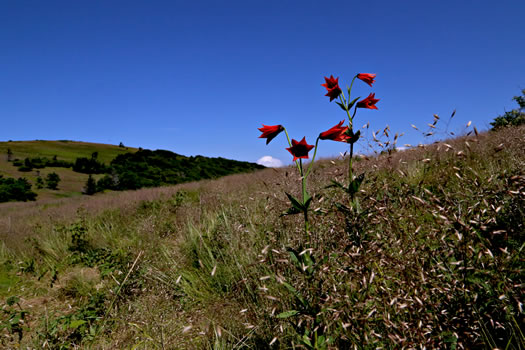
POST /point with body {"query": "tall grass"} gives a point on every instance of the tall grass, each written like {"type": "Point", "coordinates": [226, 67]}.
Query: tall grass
{"type": "Point", "coordinates": [432, 258]}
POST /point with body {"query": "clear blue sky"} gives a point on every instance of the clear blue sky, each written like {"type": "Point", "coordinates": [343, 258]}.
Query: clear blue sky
{"type": "Point", "coordinates": [199, 77]}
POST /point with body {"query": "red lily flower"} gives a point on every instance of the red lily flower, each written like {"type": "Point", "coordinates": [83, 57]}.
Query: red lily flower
{"type": "Point", "coordinates": [367, 78]}
{"type": "Point", "coordinates": [336, 133]}
{"type": "Point", "coordinates": [270, 131]}
{"type": "Point", "coordinates": [332, 85]}
{"type": "Point", "coordinates": [368, 102]}
{"type": "Point", "coordinates": [300, 149]}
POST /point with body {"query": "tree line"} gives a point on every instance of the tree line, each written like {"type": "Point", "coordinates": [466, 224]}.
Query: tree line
{"type": "Point", "coordinates": [128, 171]}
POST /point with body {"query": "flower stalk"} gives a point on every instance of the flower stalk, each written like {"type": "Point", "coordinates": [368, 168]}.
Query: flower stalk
{"type": "Point", "coordinates": [347, 134]}
{"type": "Point", "coordinates": [299, 150]}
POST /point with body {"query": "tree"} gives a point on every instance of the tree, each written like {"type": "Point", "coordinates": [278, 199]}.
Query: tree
{"type": "Point", "coordinates": [15, 190]}
{"type": "Point", "coordinates": [91, 186]}
{"type": "Point", "coordinates": [121, 145]}
{"type": "Point", "coordinates": [514, 117]}
{"type": "Point", "coordinates": [27, 166]}
{"type": "Point", "coordinates": [39, 182]}
{"type": "Point", "coordinates": [52, 181]}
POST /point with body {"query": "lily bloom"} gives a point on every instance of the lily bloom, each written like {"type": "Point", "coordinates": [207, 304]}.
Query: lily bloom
{"type": "Point", "coordinates": [270, 131]}
{"type": "Point", "coordinates": [367, 78]}
{"type": "Point", "coordinates": [332, 85]}
{"type": "Point", "coordinates": [336, 133]}
{"type": "Point", "coordinates": [300, 149]}
{"type": "Point", "coordinates": [368, 102]}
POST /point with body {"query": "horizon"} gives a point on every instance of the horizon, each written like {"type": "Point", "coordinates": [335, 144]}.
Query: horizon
{"type": "Point", "coordinates": [200, 78]}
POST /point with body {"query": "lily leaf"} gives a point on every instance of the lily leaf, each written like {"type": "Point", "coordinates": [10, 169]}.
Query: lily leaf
{"type": "Point", "coordinates": [295, 203]}
{"type": "Point", "coordinates": [341, 105]}
{"type": "Point", "coordinates": [307, 202]}
{"type": "Point", "coordinates": [355, 184]}
{"type": "Point", "coordinates": [342, 208]}
{"type": "Point", "coordinates": [306, 341]}
{"type": "Point", "coordinates": [351, 104]}
{"type": "Point", "coordinates": [353, 137]}
{"type": "Point", "coordinates": [296, 294]}
{"type": "Point", "coordinates": [336, 184]}
{"type": "Point", "coordinates": [287, 314]}
{"type": "Point", "coordinates": [291, 211]}
{"type": "Point", "coordinates": [76, 323]}
{"type": "Point", "coordinates": [308, 259]}
{"type": "Point", "coordinates": [293, 257]}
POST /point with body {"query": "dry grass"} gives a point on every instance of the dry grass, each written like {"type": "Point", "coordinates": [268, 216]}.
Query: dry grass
{"type": "Point", "coordinates": [433, 258]}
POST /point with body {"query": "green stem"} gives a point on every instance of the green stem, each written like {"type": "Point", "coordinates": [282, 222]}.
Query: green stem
{"type": "Point", "coordinates": [343, 101]}
{"type": "Point", "coordinates": [350, 161]}
{"type": "Point", "coordinates": [355, 111]}
{"type": "Point", "coordinates": [303, 182]}
{"type": "Point", "coordinates": [289, 143]}
{"type": "Point", "coordinates": [350, 89]}
{"type": "Point", "coordinates": [313, 158]}
{"type": "Point", "coordinates": [350, 171]}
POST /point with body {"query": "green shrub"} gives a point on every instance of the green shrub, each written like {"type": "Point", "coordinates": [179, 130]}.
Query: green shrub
{"type": "Point", "coordinates": [514, 117]}
{"type": "Point", "coordinates": [15, 190]}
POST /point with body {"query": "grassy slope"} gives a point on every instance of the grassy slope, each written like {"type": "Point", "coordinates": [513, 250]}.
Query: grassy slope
{"type": "Point", "coordinates": [434, 258]}
{"type": "Point", "coordinates": [71, 183]}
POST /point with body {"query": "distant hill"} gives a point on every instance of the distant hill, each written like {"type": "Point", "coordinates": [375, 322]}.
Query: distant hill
{"type": "Point", "coordinates": [111, 167]}
{"type": "Point", "coordinates": [146, 168]}
{"type": "Point", "coordinates": [63, 149]}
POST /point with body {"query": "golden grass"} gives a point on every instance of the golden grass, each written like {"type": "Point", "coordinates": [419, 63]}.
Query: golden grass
{"type": "Point", "coordinates": [212, 262]}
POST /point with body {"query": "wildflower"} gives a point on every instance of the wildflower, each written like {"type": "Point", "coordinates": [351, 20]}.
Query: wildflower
{"type": "Point", "coordinates": [332, 85]}
{"type": "Point", "coordinates": [336, 133]}
{"type": "Point", "coordinates": [367, 78]}
{"type": "Point", "coordinates": [368, 102]}
{"type": "Point", "coordinates": [299, 149]}
{"type": "Point", "coordinates": [270, 132]}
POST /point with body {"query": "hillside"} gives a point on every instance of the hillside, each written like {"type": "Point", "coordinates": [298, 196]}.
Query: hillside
{"type": "Point", "coordinates": [72, 183]}
{"type": "Point", "coordinates": [431, 257]}
{"type": "Point", "coordinates": [112, 167]}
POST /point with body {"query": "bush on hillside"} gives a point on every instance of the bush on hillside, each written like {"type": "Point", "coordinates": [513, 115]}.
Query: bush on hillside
{"type": "Point", "coordinates": [91, 186]}
{"type": "Point", "coordinates": [147, 168]}
{"type": "Point", "coordinates": [39, 182]}
{"type": "Point", "coordinates": [514, 117]}
{"type": "Point", "coordinates": [15, 190]}
{"type": "Point", "coordinates": [52, 181]}
{"type": "Point", "coordinates": [29, 164]}
{"type": "Point", "coordinates": [89, 166]}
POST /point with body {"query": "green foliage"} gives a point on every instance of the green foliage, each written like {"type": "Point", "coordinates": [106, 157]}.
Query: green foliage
{"type": "Point", "coordinates": [88, 315]}
{"type": "Point", "coordinates": [90, 165]}
{"type": "Point", "coordinates": [52, 180]}
{"type": "Point", "coordinates": [91, 186]}
{"type": "Point", "coordinates": [514, 117]}
{"type": "Point", "coordinates": [40, 163]}
{"type": "Point", "coordinates": [431, 257]}
{"type": "Point", "coordinates": [69, 331]}
{"type": "Point", "coordinates": [12, 317]}
{"type": "Point", "coordinates": [64, 150]}
{"type": "Point", "coordinates": [156, 168]}
{"type": "Point", "coordinates": [85, 254]}
{"type": "Point", "coordinates": [15, 190]}
{"type": "Point", "coordinates": [39, 182]}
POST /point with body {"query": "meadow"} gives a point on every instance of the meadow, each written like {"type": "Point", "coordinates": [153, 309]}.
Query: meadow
{"type": "Point", "coordinates": [431, 258]}
{"type": "Point", "coordinates": [72, 183]}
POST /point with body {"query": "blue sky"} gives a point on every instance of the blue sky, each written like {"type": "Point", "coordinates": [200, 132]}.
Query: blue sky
{"type": "Point", "coordinates": [199, 77]}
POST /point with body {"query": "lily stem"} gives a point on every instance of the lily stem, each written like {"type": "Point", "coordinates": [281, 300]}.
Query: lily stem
{"type": "Point", "coordinates": [313, 158]}
{"type": "Point", "coordinates": [289, 143]}
{"type": "Point", "coordinates": [303, 182]}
